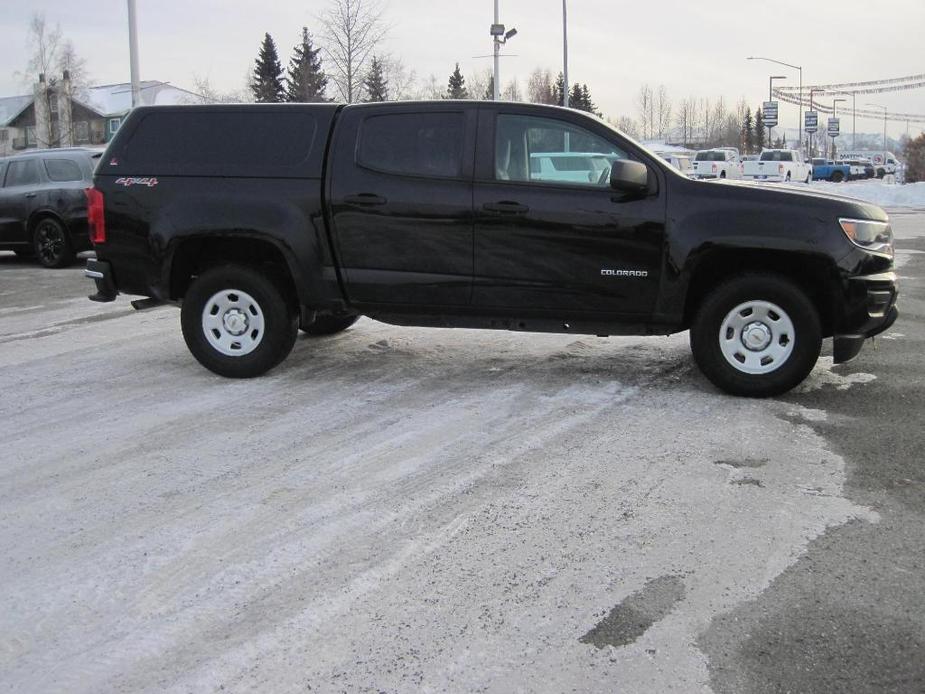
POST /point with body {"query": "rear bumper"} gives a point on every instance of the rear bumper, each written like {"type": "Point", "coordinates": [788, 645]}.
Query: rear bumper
{"type": "Point", "coordinates": [101, 273]}
{"type": "Point", "coordinates": [870, 310]}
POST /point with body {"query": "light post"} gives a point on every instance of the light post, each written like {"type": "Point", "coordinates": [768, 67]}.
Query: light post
{"type": "Point", "coordinates": [835, 103]}
{"type": "Point", "coordinates": [884, 122]}
{"type": "Point", "coordinates": [133, 54]}
{"type": "Point", "coordinates": [795, 67]}
{"type": "Point", "coordinates": [565, 95]}
{"type": "Point", "coordinates": [499, 38]}
{"type": "Point", "coordinates": [771, 98]}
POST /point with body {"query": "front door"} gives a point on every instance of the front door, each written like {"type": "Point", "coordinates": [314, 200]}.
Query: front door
{"type": "Point", "coordinates": [401, 200]}
{"type": "Point", "coordinates": [551, 234]}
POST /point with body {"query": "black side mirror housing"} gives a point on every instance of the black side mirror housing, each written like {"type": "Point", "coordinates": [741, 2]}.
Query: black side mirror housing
{"type": "Point", "coordinates": [629, 177]}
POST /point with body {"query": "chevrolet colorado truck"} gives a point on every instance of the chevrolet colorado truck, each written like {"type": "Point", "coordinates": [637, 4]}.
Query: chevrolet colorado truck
{"type": "Point", "coordinates": [259, 220]}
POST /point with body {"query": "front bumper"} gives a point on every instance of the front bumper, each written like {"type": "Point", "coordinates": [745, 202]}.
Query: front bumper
{"type": "Point", "coordinates": [870, 309]}
{"type": "Point", "coordinates": [101, 273]}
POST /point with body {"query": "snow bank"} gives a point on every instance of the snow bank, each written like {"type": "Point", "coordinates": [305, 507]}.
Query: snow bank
{"type": "Point", "coordinates": [876, 192]}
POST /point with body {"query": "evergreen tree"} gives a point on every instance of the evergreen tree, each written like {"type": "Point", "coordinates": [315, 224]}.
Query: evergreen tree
{"type": "Point", "coordinates": [558, 91]}
{"type": "Point", "coordinates": [490, 89]}
{"type": "Point", "coordinates": [306, 81]}
{"type": "Point", "coordinates": [759, 131]}
{"type": "Point", "coordinates": [748, 132]}
{"type": "Point", "coordinates": [268, 74]}
{"type": "Point", "coordinates": [576, 98]}
{"type": "Point", "coordinates": [456, 88]}
{"type": "Point", "coordinates": [375, 84]}
{"type": "Point", "coordinates": [586, 102]}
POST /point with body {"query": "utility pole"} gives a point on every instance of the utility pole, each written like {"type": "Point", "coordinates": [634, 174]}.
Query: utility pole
{"type": "Point", "coordinates": [133, 53]}
{"type": "Point", "coordinates": [565, 53]}
{"type": "Point", "coordinates": [884, 122]}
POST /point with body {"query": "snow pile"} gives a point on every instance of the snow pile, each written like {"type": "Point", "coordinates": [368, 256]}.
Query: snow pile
{"type": "Point", "coordinates": [876, 192]}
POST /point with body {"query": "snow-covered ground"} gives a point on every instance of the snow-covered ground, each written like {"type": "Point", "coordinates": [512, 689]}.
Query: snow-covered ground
{"type": "Point", "coordinates": [874, 191]}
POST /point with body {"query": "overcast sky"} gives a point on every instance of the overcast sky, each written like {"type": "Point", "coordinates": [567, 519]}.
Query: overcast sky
{"type": "Point", "coordinates": [694, 47]}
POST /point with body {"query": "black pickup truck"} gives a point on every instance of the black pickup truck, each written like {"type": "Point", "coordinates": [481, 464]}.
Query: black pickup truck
{"type": "Point", "coordinates": [259, 220]}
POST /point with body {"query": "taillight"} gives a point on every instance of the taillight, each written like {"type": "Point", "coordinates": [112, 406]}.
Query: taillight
{"type": "Point", "coordinates": [714, 168]}
{"type": "Point", "coordinates": [96, 219]}
{"type": "Point", "coordinates": [780, 168]}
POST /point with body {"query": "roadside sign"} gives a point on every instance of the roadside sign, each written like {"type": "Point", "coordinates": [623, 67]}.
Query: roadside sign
{"type": "Point", "coordinates": [834, 127]}
{"type": "Point", "coordinates": [769, 113]}
{"type": "Point", "coordinates": [811, 122]}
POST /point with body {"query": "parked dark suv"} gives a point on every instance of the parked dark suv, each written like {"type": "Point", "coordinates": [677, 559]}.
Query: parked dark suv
{"type": "Point", "coordinates": [43, 207]}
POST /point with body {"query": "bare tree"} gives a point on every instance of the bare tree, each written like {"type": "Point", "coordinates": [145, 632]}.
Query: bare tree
{"type": "Point", "coordinates": [480, 83]}
{"type": "Point", "coordinates": [433, 89]}
{"type": "Point", "coordinates": [645, 102]}
{"type": "Point", "coordinates": [352, 31]}
{"type": "Point", "coordinates": [205, 93]}
{"type": "Point", "coordinates": [627, 125]}
{"type": "Point", "coordinates": [401, 79]}
{"type": "Point", "coordinates": [685, 120]}
{"type": "Point", "coordinates": [512, 91]}
{"type": "Point", "coordinates": [540, 87]}
{"type": "Point", "coordinates": [662, 108]}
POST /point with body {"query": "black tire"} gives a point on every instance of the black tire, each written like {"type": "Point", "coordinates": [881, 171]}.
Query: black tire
{"type": "Point", "coordinates": [838, 177]}
{"type": "Point", "coordinates": [52, 244]}
{"type": "Point", "coordinates": [722, 174]}
{"type": "Point", "coordinates": [276, 311]}
{"type": "Point", "coordinates": [788, 177]}
{"type": "Point", "coordinates": [329, 325]}
{"type": "Point", "coordinates": [708, 343]}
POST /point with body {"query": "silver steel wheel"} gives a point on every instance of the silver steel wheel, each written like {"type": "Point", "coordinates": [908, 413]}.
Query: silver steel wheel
{"type": "Point", "coordinates": [757, 337]}
{"type": "Point", "coordinates": [232, 322]}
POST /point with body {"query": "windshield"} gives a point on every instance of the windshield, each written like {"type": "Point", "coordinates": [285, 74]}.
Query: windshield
{"type": "Point", "coordinates": [710, 156]}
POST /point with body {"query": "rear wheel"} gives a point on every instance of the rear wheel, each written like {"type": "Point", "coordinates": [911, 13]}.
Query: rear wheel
{"type": "Point", "coordinates": [838, 177]}
{"type": "Point", "coordinates": [51, 244]}
{"type": "Point", "coordinates": [756, 335]}
{"type": "Point", "coordinates": [329, 325]}
{"type": "Point", "coordinates": [788, 177]}
{"type": "Point", "coordinates": [238, 322]}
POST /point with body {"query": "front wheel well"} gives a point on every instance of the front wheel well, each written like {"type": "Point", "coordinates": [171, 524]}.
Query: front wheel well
{"type": "Point", "coordinates": [196, 255]}
{"type": "Point", "coordinates": [39, 216]}
{"type": "Point", "coordinates": [814, 275]}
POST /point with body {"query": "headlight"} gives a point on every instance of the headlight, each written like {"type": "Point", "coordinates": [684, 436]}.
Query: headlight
{"type": "Point", "coordinates": [876, 237]}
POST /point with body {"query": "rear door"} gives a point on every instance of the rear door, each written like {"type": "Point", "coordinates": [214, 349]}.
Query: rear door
{"type": "Point", "coordinates": [17, 198]}
{"type": "Point", "coordinates": [562, 245]}
{"type": "Point", "coordinates": [400, 195]}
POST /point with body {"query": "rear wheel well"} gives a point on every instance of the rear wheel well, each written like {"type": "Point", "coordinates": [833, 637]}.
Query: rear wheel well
{"type": "Point", "coordinates": [813, 275]}
{"type": "Point", "coordinates": [38, 217]}
{"type": "Point", "coordinates": [195, 256]}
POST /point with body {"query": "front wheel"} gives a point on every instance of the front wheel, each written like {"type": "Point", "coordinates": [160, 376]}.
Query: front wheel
{"type": "Point", "coordinates": [756, 335]}
{"type": "Point", "coordinates": [237, 322]}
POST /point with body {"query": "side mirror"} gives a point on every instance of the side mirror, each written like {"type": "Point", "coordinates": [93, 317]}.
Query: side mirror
{"type": "Point", "coordinates": [629, 176]}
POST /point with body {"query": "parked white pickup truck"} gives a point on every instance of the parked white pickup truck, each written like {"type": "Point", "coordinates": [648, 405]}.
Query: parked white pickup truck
{"type": "Point", "coordinates": [716, 163]}
{"type": "Point", "coordinates": [779, 165]}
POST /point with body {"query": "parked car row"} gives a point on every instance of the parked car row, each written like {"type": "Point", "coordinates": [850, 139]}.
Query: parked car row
{"type": "Point", "coordinates": [43, 207]}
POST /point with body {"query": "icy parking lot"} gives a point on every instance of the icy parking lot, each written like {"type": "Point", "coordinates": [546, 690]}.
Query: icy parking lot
{"type": "Point", "coordinates": [399, 509]}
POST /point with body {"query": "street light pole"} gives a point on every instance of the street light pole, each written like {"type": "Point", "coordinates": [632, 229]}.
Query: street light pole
{"type": "Point", "coordinates": [835, 103]}
{"type": "Point", "coordinates": [795, 67]}
{"type": "Point", "coordinates": [133, 54]}
{"type": "Point", "coordinates": [496, 40]}
{"type": "Point", "coordinates": [884, 122]}
{"type": "Point", "coordinates": [565, 95]}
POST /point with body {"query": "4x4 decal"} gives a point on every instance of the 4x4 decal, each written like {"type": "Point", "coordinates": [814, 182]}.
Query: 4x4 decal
{"type": "Point", "coordinates": [131, 181]}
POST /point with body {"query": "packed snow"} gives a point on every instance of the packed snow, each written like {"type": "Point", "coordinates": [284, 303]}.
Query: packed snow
{"type": "Point", "coordinates": [876, 192]}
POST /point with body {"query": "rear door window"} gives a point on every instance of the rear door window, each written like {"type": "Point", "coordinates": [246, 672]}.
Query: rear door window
{"type": "Point", "coordinates": [24, 172]}
{"type": "Point", "coordinates": [413, 144]}
{"type": "Point", "coordinates": [258, 142]}
{"type": "Point", "coordinates": [62, 170]}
